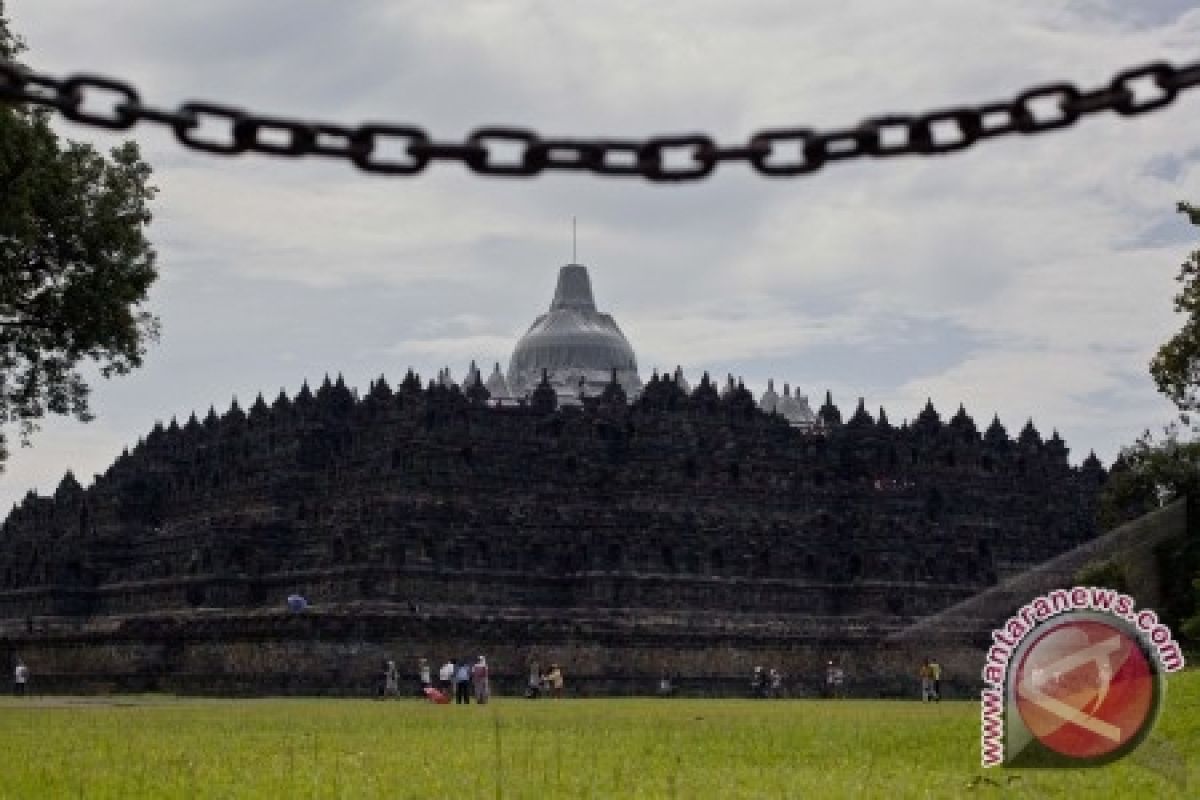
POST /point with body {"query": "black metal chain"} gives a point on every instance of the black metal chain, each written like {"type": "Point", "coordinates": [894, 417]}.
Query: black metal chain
{"type": "Point", "coordinates": [520, 152]}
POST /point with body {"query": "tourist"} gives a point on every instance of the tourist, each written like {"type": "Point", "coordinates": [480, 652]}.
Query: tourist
{"type": "Point", "coordinates": [555, 680]}
{"type": "Point", "coordinates": [424, 675]}
{"type": "Point", "coordinates": [758, 683]}
{"type": "Point", "coordinates": [479, 679]}
{"type": "Point", "coordinates": [775, 680]}
{"type": "Point", "coordinates": [20, 678]}
{"type": "Point", "coordinates": [926, 674]}
{"type": "Point", "coordinates": [935, 675]}
{"type": "Point", "coordinates": [382, 686]}
{"type": "Point", "coordinates": [391, 679]}
{"type": "Point", "coordinates": [534, 688]}
{"type": "Point", "coordinates": [462, 683]}
{"type": "Point", "coordinates": [835, 677]}
{"type": "Point", "coordinates": [446, 677]}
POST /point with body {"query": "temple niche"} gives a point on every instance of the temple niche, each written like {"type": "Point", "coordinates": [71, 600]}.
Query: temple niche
{"type": "Point", "coordinates": [564, 482]}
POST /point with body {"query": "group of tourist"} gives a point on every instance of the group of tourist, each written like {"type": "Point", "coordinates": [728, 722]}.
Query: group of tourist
{"type": "Point", "coordinates": [766, 684]}
{"type": "Point", "coordinates": [458, 681]}
{"type": "Point", "coordinates": [549, 683]}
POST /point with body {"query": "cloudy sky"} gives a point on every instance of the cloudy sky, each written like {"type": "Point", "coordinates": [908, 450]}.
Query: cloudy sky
{"type": "Point", "coordinates": [1029, 277]}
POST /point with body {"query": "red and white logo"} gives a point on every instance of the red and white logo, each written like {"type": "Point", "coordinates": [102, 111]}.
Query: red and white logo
{"type": "Point", "coordinates": [1085, 689]}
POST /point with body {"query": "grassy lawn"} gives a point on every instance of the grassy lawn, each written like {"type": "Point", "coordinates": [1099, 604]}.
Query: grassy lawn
{"type": "Point", "coordinates": [158, 746]}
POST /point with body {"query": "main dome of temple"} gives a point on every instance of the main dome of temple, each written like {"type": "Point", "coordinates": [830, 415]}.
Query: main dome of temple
{"type": "Point", "coordinates": [576, 345]}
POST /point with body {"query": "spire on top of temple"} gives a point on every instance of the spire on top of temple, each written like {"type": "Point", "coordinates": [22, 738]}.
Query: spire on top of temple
{"type": "Point", "coordinates": [1029, 435]}
{"type": "Point", "coordinates": [829, 415]}
{"type": "Point", "coordinates": [497, 386]}
{"type": "Point", "coordinates": [705, 394]}
{"type": "Point", "coordinates": [411, 383]}
{"type": "Point", "coordinates": [928, 420]}
{"type": "Point", "coordinates": [962, 422]}
{"type": "Point", "coordinates": [235, 413]}
{"type": "Point", "coordinates": [259, 410]}
{"type": "Point", "coordinates": [544, 399]}
{"type": "Point", "coordinates": [325, 390]}
{"type": "Point", "coordinates": [305, 397]}
{"type": "Point", "coordinates": [380, 391]}
{"type": "Point", "coordinates": [862, 418]}
{"type": "Point", "coordinates": [996, 434]}
{"type": "Point", "coordinates": [68, 488]}
{"type": "Point", "coordinates": [613, 394]}
{"type": "Point", "coordinates": [472, 376]}
{"type": "Point", "coordinates": [681, 381]}
{"type": "Point", "coordinates": [476, 393]}
{"type": "Point", "coordinates": [1057, 448]}
{"type": "Point", "coordinates": [770, 400]}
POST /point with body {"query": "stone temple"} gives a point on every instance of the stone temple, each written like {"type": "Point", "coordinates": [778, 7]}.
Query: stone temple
{"type": "Point", "coordinates": [564, 511]}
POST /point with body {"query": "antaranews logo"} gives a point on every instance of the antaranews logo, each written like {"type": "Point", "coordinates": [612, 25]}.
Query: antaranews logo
{"type": "Point", "coordinates": [1073, 679]}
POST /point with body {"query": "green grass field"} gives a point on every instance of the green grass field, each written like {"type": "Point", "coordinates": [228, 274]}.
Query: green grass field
{"type": "Point", "coordinates": [156, 746]}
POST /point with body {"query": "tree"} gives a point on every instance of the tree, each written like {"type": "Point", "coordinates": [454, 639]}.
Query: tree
{"type": "Point", "coordinates": [1152, 472]}
{"type": "Point", "coordinates": [1176, 365]}
{"type": "Point", "coordinates": [75, 265]}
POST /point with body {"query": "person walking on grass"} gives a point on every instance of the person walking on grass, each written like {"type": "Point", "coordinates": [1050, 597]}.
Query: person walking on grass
{"type": "Point", "coordinates": [446, 678]}
{"type": "Point", "coordinates": [935, 675]}
{"type": "Point", "coordinates": [758, 683]}
{"type": "Point", "coordinates": [835, 677]}
{"type": "Point", "coordinates": [391, 679]}
{"type": "Point", "coordinates": [665, 687]}
{"type": "Point", "coordinates": [480, 680]}
{"type": "Point", "coordinates": [555, 679]}
{"type": "Point", "coordinates": [424, 675]}
{"type": "Point", "coordinates": [926, 674]}
{"type": "Point", "coordinates": [20, 678]}
{"type": "Point", "coordinates": [534, 688]}
{"type": "Point", "coordinates": [462, 684]}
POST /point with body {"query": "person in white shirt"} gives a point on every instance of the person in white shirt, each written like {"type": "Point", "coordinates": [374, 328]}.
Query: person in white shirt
{"type": "Point", "coordinates": [20, 678]}
{"type": "Point", "coordinates": [424, 673]}
{"type": "Point", "coordinates": [462, 683]}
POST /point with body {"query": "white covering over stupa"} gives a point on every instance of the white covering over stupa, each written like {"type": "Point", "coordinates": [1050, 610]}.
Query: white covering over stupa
{"type": "Point", "coordinates": [576, 345]}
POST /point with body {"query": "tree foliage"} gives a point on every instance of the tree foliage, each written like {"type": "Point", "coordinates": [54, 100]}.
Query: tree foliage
{"type": "Point", "coordinates": [1176, 365]}
{"type": "Point", "coordinates": [1153, 471]}
{"type": "Point", "coordinates": [75, 265]}
{"type": "Point", "coordinates": [1149, 474]}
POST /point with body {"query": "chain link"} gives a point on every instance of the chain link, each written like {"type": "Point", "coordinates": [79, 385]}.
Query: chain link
{"type": "Point", "coordinates": [518, 152]}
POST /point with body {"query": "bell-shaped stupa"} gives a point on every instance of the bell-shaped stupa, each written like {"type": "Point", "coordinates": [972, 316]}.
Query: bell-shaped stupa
{"type": "Point", "coordinates": [576, 345]}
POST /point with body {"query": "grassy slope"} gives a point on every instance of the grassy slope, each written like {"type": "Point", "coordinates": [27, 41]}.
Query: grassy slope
{"type": "Point", "coordinates": [162, 747]}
